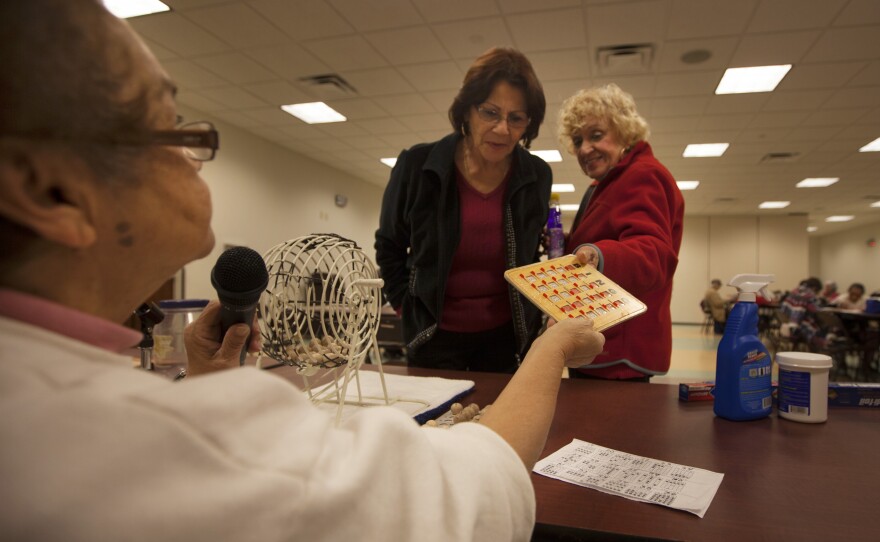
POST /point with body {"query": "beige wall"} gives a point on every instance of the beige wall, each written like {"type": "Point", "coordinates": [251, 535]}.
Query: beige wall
{"type": "Point", "coordinates": [845, 258]}
{"type": "Point", "coordinates": [721, 247]}
{"type": "Point", "coordinates": [264, 194]}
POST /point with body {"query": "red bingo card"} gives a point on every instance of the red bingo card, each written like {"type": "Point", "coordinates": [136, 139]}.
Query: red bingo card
{"type": "Point", "coordinates": [563, 288]}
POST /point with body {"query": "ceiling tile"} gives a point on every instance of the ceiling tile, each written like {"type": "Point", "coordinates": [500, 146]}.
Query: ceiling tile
{"type": "Point", "coordinates": [854, 97]}
{"type": "Point", "coordinates": [441, 99]}
{"type": "Point", "coordinates": [453, 10]}
{"type": "Point", "coordinates": [346, 53]}
{"type": "Point", "coordinates": [237, 24]}
{"type": "Point", "coordinates": [195, 100]}
{"type": "Point", "coordinates": [342, 130]}
{"type": "Point", "coordinates": [519, 6]}
{"type": "Point", "coordinates": [833, 117]}
{"type": "Point", "coordinates": [278, 93]}
{"type": "Point", "coordinates": [638, 85]}
{"type": "Point", "coordinates": [702, 19]}
{"type": "Point", "coordinates": [358, 108]}
{"type": "Point", "coordinates": [428, 121]}
{"type": "Point", "coordinates": [233, 97]}
{"type": "Point", "coordinates": [773, 49]}
{"type": "Point", "coordinates": [236, 67]}
{"type": "Point", "coordinates": [289, 61]}
{"type": "Point", "coordinates": [688, 84]}
{"type": "Point", "coordinates": [673, 107]}
{"type": "Point", "coordinates": [561, 65]}
{"type": "Point", "coordinates": [782, 15]}
{"type": "Point", "coordinates": [859, 12]}
{"type": "Point", "coordinates": [721, 50]}
{"type": "Point", "coordinates": [188, 75]}
{"type": "Point", "coordinates": [853, 43]}
{"type": "Point", "coordinates": [408, 45]}
{"type": "Point", "coordinates": [303, 19]}
{"type": "Point", "coordinates": [175, 33]}
{"type": "Point", "coordinates": [794, 100]}
{"type": "Point", "coordinates": [383, 126]}
{"type": "Point", "coordinates": [869, 76]}
{"type": "Point", "coordinates": [378, 14]}
{"type": "Point", "coordinates": [270, 116]}
{"type": "Point", "coordinates": [827, 75]}
{"type": "Point", "coordinates": [405, 104]}
{"type": "Point", "coordinates": [469, 39]}
{"type": "Point", "coordinates": [162, 54]}
{"type": "Point", "coordinates": [433, 76]}
{"type": "Point", "coordinates": [379, 82]}
{"type": "Point", "coordinates": [737, 103]}
{"type": "Point", "coordinates": [548, 30]}
{"type": "Point", "coordinates": [782, 119]}
{"type": "Point", "coordinates": [645, 23]}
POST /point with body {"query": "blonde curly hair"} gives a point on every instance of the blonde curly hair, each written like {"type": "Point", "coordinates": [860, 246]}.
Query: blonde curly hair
{"type": "Point", "coordinates": [609, 103]}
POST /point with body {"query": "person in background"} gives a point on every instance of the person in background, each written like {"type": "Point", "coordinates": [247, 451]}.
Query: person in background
{"type": "Point", "coordinates": [829, 293]}
{"type": "Point", "coordinates": [717, 305]}
{"type": "Point", "coordinates": [801, 305]}
{"type": "Point", "coordinates": [854, 299]}
{"type": "Point", "coordinates": [628, 226]}
{"type": "Point", "coordinates": [459, 212]}
{"type": "Point", "coordinates": [100, 189]}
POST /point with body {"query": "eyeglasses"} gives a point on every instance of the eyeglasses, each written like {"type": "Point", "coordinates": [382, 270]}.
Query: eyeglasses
{"type": "Point", "coordinates": [489, 114]}
{"type": "Point", "coordinates": [199, 140]}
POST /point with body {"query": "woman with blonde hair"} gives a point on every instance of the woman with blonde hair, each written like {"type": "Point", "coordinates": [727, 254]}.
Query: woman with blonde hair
{"type": "Point", "coordinates": [628, 226]}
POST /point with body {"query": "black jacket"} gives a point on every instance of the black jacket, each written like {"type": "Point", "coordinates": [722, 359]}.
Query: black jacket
{"type": "Point", "coordinates": [419, 231]}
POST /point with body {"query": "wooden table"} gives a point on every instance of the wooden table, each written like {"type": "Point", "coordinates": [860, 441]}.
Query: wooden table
{"type": "Point", "coordinates": [783, 480]}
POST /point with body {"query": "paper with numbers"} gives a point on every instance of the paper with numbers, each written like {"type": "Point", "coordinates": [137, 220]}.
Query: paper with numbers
{"type": "Point", "coordinates": [563, 288]}
{"type": "Point", "coordinates": [632, 476]}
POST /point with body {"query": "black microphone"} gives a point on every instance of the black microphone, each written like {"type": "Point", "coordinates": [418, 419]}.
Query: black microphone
{"type": "Point", "coordinates": [239, 276]}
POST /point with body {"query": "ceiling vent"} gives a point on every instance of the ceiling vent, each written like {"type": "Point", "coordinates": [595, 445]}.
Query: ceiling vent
{"type": "Point", "coordinates": [625, 59]}
{"type": "Point", "coordinates": [329, 86]}
{"type": "Point", "coordinates": [780, 157]}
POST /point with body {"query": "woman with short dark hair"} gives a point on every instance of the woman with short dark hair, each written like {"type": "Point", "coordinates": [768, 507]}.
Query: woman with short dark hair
{"type": "Point", "coordinates": [459, 212]}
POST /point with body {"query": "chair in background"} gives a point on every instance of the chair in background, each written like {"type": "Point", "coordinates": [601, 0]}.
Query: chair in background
{"type": "Point", "coordinates": [837, 343]}
{"type": "Point", "coordinates": [708, 321]}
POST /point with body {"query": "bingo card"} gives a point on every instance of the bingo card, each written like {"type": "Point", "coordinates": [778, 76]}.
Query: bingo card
{"type": "Point", "coordinates": [563, 288]}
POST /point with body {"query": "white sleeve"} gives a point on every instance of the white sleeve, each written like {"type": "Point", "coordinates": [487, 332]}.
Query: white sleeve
{"type": "Point", "coordinates": [253, 459]}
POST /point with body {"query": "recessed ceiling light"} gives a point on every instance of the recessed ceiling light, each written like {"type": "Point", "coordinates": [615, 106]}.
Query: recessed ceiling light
{"type": "Point", "coordinates": [700, 150]}
{"type": "Point", "coordinates": [817, 182]}
{"type": "Point", "coordinates": [125, 9]}
{"type": "Point", "coordinates": [687, 185]}
{"type": "Point", "coordinates": [873, 146]}
{"type": "Point", "coordinates": [548, 156]}
{"type": "Point", "coordinates": [754, 79]}
{"type": "Point", "coordinates": [875, 204]}
{"type": "Point", "coordinates": [562, 188]}
{"type": "Point", "coordinates": [314, 112]}
{"type": "Point", "coordinates": [569, 207]}
{"type": "Point", "coordinates": [811, 229]}
{"type": "Point", "coordinates": [839, 218]}
{"type": "Point", "coordinates": [696, 56]}
{"type": "Point", "coordinates": [774, 205]}
{"type": "Point", "coordinates": [388, 161]}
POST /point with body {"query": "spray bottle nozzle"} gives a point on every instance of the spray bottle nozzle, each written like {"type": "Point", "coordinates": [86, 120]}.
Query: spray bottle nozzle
{"type": "Point", "coordinates": [750, 285]}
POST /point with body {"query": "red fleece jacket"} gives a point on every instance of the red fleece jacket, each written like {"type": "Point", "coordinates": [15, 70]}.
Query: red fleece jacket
{"type": "Point", "coordinates": [635, 219]}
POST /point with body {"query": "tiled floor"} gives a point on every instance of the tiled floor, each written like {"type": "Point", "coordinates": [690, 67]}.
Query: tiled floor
{"type": "Point", "coordinates": [693, 356]}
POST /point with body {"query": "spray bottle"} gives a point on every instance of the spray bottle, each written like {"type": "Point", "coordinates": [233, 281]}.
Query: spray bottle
{"type": "Point", "coordinates": [742, 371]}
{"type": "Point", "coordinates": [556, 245]}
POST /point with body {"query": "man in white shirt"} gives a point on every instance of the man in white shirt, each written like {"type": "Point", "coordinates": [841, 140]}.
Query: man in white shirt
{"type": "Point", "coordinates": [101, 202]}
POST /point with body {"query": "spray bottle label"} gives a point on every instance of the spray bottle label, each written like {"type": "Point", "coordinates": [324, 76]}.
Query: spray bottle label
{"type": "Point", "coordinates": [754, 378]}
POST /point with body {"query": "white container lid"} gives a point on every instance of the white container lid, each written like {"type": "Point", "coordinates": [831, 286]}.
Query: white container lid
{"type": "Point", "coordinates": [804, 360]}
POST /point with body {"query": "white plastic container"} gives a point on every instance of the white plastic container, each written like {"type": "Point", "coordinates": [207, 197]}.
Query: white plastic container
{"type": "Point", "coordinates": [803, 386]}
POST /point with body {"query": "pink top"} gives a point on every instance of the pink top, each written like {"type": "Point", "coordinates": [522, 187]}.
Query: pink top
{"type": "Point", "coordinates": [477, 297]}
{"type": "Point", "coordinates": [66, 321]}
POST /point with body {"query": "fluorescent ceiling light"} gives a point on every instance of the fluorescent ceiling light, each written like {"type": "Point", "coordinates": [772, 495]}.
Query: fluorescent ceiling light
{"type": "Point", "coordinates": [687, 185]}
{"type": "Point", "coordinates": [817, 182]}
{"type": "Point", "coordinates": [701, 150]}
{"type": "Point", "coordinates": [774, 205]}
{"type": "Point", "coordinates": [314, 112]}
{"type": "Point", "coordinates": [569, 207]}
{"type": "Point", "coordinates": [811, 229]}
{"type": "Point", "coordinates": [839, 218]}
{"type": "Point", "coordinates": [754, 79]}
{"type": "Point", "coordinates": [548, 156]}
{"type": "Point", "coordinates": [873, 146]}
{"type": "Point", "coordinates": [562, 188]}
{"type": "Point", "coordinates": [388, 161]}
{"type": "Point", "coordinates": [875, 204]}
{"type": "Point", "coordinates": [125, 9]}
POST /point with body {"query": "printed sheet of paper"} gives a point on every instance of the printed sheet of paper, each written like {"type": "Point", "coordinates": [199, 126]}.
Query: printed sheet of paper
{"type": "Point", "coordinates": [632, 476]}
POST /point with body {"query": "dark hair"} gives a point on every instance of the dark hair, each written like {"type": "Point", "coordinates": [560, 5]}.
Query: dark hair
{"type": "Point", "coordinates": [813, 283]}
{"type": "Point", "coordinates": [64, 78]}
{"type": "Point", "coordinates": [858, 285]}
{"type": "Point", "coordinates": [492, 67]}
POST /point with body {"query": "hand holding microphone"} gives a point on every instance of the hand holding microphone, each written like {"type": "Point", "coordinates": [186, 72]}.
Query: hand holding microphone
{"type": "Point", "coordinates": [227, 329]}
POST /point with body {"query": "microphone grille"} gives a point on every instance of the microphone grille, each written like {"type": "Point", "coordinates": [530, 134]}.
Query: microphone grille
{"type": "Point", "coordinates": [240, 272]}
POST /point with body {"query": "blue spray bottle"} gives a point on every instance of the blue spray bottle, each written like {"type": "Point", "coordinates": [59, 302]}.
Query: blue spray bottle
{"type": "Point", "coordinates": [742, 370]}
